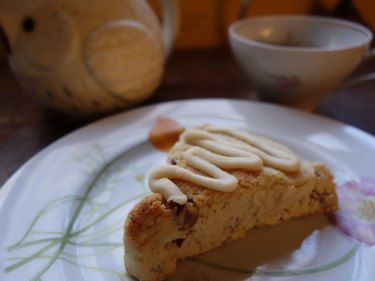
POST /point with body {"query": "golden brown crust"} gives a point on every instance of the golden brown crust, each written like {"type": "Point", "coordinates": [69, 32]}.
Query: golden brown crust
{"type": "Point", "coordinates": [158, 234]}
{"type": "Point", "coordinates": [142, 219]}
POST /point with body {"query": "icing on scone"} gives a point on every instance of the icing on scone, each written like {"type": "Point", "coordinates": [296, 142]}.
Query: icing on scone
{"type": "Point", "coordinates": [214, 150]}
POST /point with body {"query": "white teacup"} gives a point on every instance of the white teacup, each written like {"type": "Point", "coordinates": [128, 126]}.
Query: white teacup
{"type": "Point", "coordinates": [296, 60]}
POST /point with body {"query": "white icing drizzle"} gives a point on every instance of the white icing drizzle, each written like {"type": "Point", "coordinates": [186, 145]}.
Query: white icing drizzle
{"type": "Point", "coordinates": [214, 149]}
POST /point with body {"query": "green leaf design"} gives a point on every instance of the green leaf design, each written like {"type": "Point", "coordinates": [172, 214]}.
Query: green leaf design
{"type": "Point", "coordinates": [285, 272]}
{"type": "Point", "coordinates": [52, 248]}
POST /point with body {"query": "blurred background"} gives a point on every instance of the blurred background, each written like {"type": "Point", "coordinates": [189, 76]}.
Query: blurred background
{"type": "Point", "coordinates": [205, 23]}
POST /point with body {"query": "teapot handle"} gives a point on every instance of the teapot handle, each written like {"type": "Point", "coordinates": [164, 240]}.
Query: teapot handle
{"type": "Point", "coordinates": [170, 23]}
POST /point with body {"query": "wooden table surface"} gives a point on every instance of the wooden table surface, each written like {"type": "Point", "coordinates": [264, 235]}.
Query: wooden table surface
{"type": "Point", "coordinates": [26, 127]}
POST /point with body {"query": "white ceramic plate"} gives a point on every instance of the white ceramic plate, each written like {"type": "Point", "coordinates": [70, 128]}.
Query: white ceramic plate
{"type": "Point", "coordinates": [62, 213]}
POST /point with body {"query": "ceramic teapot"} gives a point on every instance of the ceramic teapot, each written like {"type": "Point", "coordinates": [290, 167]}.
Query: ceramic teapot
{"type": "Point", "coordinates": [90, 56]}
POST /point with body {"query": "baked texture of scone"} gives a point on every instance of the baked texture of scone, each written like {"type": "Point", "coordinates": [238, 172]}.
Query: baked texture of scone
{"type": "Point", "coordinates": [158, 233]}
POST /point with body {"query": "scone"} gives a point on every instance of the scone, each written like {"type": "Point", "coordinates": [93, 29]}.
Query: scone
{"type": "Point", "coordinates": [219, 183]}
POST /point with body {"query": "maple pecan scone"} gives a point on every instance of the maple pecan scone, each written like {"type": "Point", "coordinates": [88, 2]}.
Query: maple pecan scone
{"type": "Point", "coordinates": [219, 183]}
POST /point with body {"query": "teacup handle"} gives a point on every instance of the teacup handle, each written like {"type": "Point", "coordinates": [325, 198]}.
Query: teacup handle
{"type": "Point", "coordinates": [170, 23]}
{"type": "Point", "coordinates": [365, 77]}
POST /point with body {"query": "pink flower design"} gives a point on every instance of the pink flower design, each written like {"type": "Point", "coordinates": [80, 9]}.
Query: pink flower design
{"type": "Point", "coordinates": [356, 215]}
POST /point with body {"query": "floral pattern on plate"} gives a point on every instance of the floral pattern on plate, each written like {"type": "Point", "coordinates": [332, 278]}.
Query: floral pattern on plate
{"type": "Point", "coordinates": [356, 216]}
